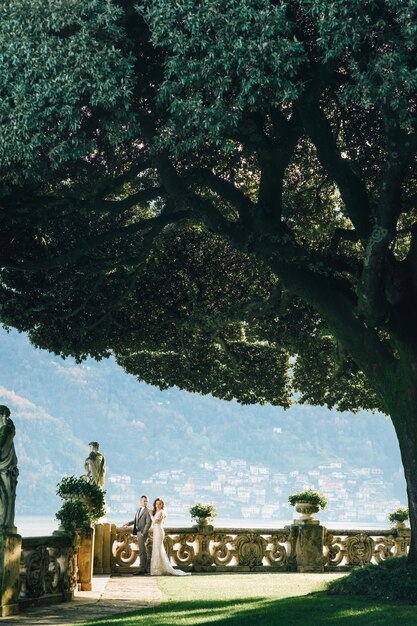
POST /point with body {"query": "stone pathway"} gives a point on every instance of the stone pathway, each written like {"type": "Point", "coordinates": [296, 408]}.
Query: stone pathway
{"type": "Point", "coordinates": [118, 594]}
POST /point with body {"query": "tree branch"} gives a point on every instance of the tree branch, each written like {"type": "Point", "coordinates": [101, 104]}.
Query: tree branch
{"type": "Point", "coordinates": [94, 242]}
{"type": "Point", "coordinates": [226, 190]}
{"type": "Point", "coordinates": [352, 188]}
{"type": "Point", "coordinates": [334, 300]}
{"type": "Point", "coordinates": [274, 158]}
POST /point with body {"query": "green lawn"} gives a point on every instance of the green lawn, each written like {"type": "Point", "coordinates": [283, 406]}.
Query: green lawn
{"type": "Point", "coordinates": [261, 600]}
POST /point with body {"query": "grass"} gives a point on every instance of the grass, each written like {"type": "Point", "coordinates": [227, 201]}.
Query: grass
{"type": "Point", "coordinates": [261, 600]}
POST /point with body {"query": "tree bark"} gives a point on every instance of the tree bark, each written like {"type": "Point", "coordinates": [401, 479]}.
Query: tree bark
{"type": "Point", "coordinates": [401, 400]}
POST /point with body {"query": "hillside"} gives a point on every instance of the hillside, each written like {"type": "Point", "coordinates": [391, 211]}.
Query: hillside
{"type": "Point", "coordinates": [59, 406]}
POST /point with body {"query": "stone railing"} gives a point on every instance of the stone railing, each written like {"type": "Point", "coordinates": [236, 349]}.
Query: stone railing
{"type": "Point", "coordinates": [207, 549]}
{"type": "Point", "coordinates": [344, 549]}
{"type": "Point", "coordinates": [48, 569]}
{"type": "Point", "coordinates": [298, 547]}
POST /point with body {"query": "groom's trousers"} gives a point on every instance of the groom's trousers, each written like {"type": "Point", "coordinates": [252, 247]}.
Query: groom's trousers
{"type": "Point", "coordinates": [143, 558]}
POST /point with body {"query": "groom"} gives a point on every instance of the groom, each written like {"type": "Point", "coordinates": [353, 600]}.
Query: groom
{"type": "Point", "coordinates": [141, 525]}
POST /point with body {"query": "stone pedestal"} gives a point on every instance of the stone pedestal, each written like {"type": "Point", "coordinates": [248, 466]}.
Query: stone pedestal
{"type": "Point", "coordinates": [309, 548]}
{"type": "Point", "coordinates": [10, 554]}
{"type": "Point", "coordinates": [85, 560]}
{"type": "Point", "coordinates": [203, 561]}
{"type": "Point", "coordinates": [402, 541]}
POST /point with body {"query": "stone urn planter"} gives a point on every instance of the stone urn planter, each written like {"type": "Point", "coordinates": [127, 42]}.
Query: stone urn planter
{"type": "Point", "coordinates": [307, 503]}
{"type": "Point", "coordinates": [202, 514]}
{"type": "Point", "coordinates": [400, 525]}
{"type": "Point", "coordinates": [306, 511]}
{"type": "Point", "coordinates": [399, 517]}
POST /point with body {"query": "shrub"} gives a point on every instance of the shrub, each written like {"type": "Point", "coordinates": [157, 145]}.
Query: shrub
{"type": "Point", "coordinates": [311, 496]}
{"type": "Point", "coordinates": [200, 510]}
{"type": "Point", "coordinates": [76, 514]}
{"type": "Point", "coordinates": [73, 516]}
{"type": "Point", "coordinates": [399, 515]}
{"type": "Point", "coordinates": [393, 579]}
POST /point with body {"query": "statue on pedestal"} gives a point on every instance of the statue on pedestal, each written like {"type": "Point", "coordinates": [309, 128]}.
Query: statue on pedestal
{"type": "Point", "coordinates": [95, 465]}
{"type": "Point", "coordinates": [8, 470]}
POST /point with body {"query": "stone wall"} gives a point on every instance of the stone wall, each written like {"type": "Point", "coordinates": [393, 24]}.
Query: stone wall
{"type": "Point", "coordinates": [48, 570]}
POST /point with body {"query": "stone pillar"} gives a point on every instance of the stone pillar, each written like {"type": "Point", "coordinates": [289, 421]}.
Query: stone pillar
{"type": "Point", "coordinates": [85, 559]}
{"type": "Point", "coordinates": [98, 549]}
{"type": "Point", "coordinates": [10, 553]}
{"type": "Point", "coordinates": [113, 538]}
{"type": "Point", "coordinates": [203, 561]}
{"type": "Point", "coordinates": [309, 548]}
{"type": "Point", "coordinates": [402, 541]}
{"type": "Point", "coordinates": [107, 548]}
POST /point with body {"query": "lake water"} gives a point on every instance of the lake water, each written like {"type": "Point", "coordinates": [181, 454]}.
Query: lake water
{"type": "Point", "coordinates": [41, 525]}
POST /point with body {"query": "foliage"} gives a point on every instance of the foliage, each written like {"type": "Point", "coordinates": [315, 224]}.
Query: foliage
{"type": "Point", "coordinates": [201, 510]}
{"type": "Point", "coordinates": [399, 515]}
{"type": "Point", "coordinates": [254, 161]}
{"type": "Point", "coordinates": [72, 486]}
{"type": "Point", "coordinates": [311, 496]}
{"type": "Point", "coordinates": [393, 579]}
{"type": "Point", "coordinates": [84, 502]}
{"type": "Point", "coordinates": [74, 515]}
{"type": "Point", "coordinates": [76, 65]}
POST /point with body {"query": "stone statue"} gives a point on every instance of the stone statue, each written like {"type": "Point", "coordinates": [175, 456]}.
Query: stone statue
{"type": "Point", "coordinates": [95, 465]}
{"type": "Point", "coordinates": [8, 470]}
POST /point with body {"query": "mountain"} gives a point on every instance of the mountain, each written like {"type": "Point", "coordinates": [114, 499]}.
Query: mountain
{"type": "Point", "coordinates": [179, 443]}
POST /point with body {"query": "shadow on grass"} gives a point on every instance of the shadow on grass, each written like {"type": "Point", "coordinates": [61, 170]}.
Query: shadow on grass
{"type": "Point", "coordinates": [313, 610]}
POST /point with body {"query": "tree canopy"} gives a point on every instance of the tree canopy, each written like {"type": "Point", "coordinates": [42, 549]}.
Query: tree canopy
{"type": "Point", "coordinates": [222, 194]}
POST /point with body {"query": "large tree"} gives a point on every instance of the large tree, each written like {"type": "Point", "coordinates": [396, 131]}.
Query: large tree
{"type": "Point", "coordinates": [224, 194]}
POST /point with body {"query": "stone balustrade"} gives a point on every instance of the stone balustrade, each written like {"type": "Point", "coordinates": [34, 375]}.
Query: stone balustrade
{"type": "Point", "coordinates": [298, 547]}
{"type": "Point", "coordinates": [344, 549]}
{"type": "Point", "coordinates": [207, 549]}
{"type": "Point", "coordinates": [48, 569]}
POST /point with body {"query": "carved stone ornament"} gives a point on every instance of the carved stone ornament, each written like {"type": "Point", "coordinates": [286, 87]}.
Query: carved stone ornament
{"type": "Point", "coordinates": [37, 566]}
{"type": "Point", "coordinates": [250, 549]}
{"type": "Point", "coordinates": [71, 570]}
{"type": "Point", "coordinates": [223, 551]}
{"type": "Point", "coordinates": [358, 549]}
{"type": "Point", "coordinates": [276, 552]}
{"type": "Point", "coordinates": [185, 553]}
{"type": "Point", "coordinates": [125, 549]}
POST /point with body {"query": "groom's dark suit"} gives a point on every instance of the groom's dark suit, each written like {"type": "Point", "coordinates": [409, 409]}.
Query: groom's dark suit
{"type": "Point", "coordinates": [141, 525]}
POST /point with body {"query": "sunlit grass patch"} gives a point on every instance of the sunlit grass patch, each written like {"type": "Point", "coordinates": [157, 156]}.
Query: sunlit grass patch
{"type": "Point", "coordinates": [260, 600]}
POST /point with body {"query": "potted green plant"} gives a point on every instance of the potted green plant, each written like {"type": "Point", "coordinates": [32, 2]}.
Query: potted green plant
{"type": "Point", "coordinates": [399, 517]}
{"type": "Point", "coordinates": [307, 503]}
{"type": "Point", "coordinates": [203, 513]}
{"type": "Point", "coordinates": [83, 503]}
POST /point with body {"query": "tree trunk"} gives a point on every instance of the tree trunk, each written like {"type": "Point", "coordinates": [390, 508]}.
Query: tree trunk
{"type": "Point", "coordinates": [403, 409]}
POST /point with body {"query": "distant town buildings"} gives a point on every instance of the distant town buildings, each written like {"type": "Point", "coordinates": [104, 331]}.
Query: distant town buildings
{"type": "Point", "coordinates": [243, 490]}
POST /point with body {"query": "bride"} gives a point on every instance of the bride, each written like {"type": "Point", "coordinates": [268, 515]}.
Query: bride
{"type": "Point", "coordinates": [160, 565]}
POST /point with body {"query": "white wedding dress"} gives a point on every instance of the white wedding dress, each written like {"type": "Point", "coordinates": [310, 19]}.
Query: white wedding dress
{"type": "Point", "coordinates": [160, 565]}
